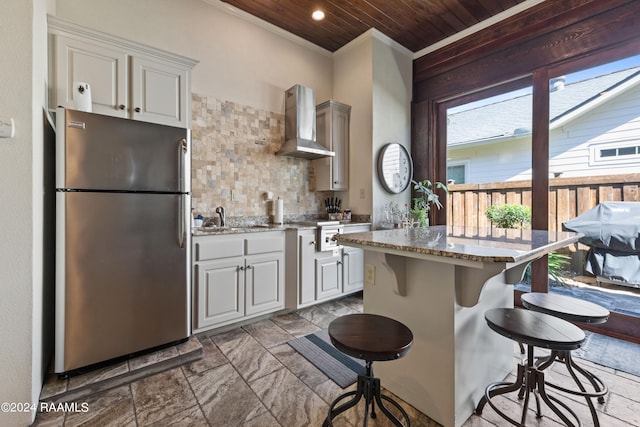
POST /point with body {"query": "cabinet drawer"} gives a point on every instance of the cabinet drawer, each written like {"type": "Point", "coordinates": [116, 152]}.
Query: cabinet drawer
{"type": "Point", "coordinates": [265, 243]}
{"type": "Point", "coordinates": [219, 247]}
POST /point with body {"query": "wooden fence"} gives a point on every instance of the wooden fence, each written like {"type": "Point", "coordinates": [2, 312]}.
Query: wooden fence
{"type": "Point", "coordinates": [568, 197]}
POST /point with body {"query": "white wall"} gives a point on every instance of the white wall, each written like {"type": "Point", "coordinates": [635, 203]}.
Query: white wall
{"type": "Point", "coordinates": [239, 61]}
{"type": "Point", "coordinates": [353, 83]}
{"type": "Point", "coordinates": [392, 94]}
{"type": "Point", "coordinates": [22, 96]}
{"type": "Point", "coordinates": [374, 75]}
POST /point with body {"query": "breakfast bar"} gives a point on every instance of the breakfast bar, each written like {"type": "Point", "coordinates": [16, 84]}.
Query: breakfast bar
{"type": "Point", "coordinates": [439, 281]}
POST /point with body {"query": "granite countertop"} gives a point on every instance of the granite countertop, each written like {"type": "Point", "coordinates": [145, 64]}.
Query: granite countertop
{"type": "Point", "coordinates": [257, 228]}
{"type": "Point", "coordinates": [466, 243]}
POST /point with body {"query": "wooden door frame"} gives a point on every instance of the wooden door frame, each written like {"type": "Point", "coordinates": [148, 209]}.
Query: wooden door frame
{"type": "Point", "coordinates": [553, 38]}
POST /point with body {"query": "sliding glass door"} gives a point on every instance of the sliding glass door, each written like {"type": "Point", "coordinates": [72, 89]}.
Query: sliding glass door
{"type": "Point", "coordinates": [594, 165]}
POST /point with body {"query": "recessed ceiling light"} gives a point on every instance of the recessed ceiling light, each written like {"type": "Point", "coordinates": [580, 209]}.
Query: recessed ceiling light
{"type": "Point", "coordinates": [317, 15]}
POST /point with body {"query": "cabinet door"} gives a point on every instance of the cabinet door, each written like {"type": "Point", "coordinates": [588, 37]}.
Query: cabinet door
{"type": "Point", "coordinates": [332, 122]}
{"type": "Point", "coordinates": [264, 278]}
{"type": "Point", "coordinates": [159, 92]}
{"type": "Point", "coordinates": [340, 138]}
{"type": "Point", "coordinates": [104, 68]}
{"type": "Point", "coordinates": [306, 279]}
{"type": "Point", "coordinates": [353, 265]}
{"type": "Point", "coordinates": [328, 275]}
{"type": "Point", "coordinates": [220, 291]}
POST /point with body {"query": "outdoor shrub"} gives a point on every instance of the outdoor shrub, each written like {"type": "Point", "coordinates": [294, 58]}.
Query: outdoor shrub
{"type": "Point", "coordinates": [517, 216]}
{"type": "Point", "coordinates": [558, 264]}
{"type": "Point", "coordinates": [509, 216]}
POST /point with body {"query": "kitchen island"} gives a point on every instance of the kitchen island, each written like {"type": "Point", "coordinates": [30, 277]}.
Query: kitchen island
{"type": "Point", "coordinates": [439, 281]}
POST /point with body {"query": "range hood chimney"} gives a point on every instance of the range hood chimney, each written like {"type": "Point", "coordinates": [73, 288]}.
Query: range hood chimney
{"type": "Point", "coordinates": [300, 125]}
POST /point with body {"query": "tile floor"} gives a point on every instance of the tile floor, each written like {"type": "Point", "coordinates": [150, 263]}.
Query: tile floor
{"type": "Point", "coordinates": [249, 376]}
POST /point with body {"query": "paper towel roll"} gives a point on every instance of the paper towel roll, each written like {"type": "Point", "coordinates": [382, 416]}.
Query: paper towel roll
{"type": "Point", "coordinates": [82, 96]}
{"type": "Point", "coordinates": [278, 216]}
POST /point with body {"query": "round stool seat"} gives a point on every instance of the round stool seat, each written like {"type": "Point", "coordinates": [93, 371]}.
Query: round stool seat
{"type": "Point", "coordinates": [370, 337]}
{"type": "Point", "coordinates": [535, 329]}
{"type": "Point", "coordinates": [565, 307]}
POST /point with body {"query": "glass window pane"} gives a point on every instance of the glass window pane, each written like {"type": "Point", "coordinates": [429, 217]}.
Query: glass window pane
{"type": "Point", "coordinates": [626, 151]}
{"type": "Point", "coordinates": [455, 174]}
{"type": "Point", "coordinates": [489, 142]}
{"type": "Point", "coordinates": [594, 131]}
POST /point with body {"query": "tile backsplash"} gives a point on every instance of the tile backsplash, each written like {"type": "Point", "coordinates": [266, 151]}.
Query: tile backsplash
{"type": "Point", "coordinates": [234, 163]}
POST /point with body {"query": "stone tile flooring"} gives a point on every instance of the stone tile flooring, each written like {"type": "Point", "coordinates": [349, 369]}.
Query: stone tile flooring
{"type": "Point", "coordinates": [249, 376]}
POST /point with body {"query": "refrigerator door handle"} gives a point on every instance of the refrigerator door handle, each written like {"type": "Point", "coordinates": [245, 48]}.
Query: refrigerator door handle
{"type": "Point", "coordinates": [182, 154]}
{"type": "Point", "coordinates": [182, 234]}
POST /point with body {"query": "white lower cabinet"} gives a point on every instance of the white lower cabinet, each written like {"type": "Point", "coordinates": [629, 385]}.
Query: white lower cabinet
{"type": "Point", "coordinates": [313, 277]}
{"type": "Point", "coordinates": [237, 277]}
{"type": "Point", "coordinates": [353, 268]}
{"type": "Point", "coordinates": [328, 275]}
{"type": "Point", "coordinates": [305, 280]}
{"type": "Point", "coordinates": [220, 292]}
{"type": "Point", "coordinates": [263, 283]}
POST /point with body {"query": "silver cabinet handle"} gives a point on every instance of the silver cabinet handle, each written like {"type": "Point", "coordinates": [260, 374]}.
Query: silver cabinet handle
{"type": "Point", "coordinates": [241, 267]}
{"type": "Point", "coordinates": [249, 267]}
{"type": "Point", "coordinates": [312, 242]}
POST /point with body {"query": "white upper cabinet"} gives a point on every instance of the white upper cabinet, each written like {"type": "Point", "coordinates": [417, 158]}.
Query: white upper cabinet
{"type": "Point", "coordinates": [332, 131]}
{"type": "Point", "coordinates": [159, 92]}
{"type": "Point", "coordinates": [126, 79]}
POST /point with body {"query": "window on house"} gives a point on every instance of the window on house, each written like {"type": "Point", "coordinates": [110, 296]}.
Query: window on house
{"type": "Point", "coordinates": [616, 154]}
{"type": "Point", "coordinates": [456, 174]}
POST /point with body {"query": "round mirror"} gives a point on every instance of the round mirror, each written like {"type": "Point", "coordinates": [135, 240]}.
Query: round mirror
{"type": "Point", "coordinates": [395, 168]}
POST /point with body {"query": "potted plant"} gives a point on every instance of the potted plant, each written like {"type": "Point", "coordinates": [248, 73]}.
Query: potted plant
{"type": "Point", "coordinates": [426, 197]}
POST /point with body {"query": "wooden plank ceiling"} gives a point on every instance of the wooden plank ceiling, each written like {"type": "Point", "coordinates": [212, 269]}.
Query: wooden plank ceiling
{"type": "Point", "coordinates": [415, 24]}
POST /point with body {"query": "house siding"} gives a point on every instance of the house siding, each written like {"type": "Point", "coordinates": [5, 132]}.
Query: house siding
{"type": "Point", "coordinates": [614, 121]}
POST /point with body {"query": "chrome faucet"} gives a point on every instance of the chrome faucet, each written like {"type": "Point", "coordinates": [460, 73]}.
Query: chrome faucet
{"type": "Point", "coordinates": [220, 211]}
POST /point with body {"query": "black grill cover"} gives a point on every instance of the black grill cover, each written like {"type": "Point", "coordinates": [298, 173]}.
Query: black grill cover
{"type": "Point", "coordinates": [612, 230]}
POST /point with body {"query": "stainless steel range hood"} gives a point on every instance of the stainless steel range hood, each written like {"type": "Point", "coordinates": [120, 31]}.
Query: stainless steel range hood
{"type": "Point", "coordinates": [300, 125]}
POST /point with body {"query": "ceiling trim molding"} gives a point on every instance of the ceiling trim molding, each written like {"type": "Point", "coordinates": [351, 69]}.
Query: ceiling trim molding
{"type": "Point", "coordinates": [362, 38]}
{"type": "Point", "coordinates": [380, 36]}
{"type": "Point", "coordinates": [477, 27]}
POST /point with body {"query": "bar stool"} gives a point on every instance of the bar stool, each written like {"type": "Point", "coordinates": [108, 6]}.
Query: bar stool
{"type": "Point", "coordinates": [371, 338]}
{"type": "Point", "coordinates": [578, 311]}
{"type": "Point", "coordinates": [535, 330]}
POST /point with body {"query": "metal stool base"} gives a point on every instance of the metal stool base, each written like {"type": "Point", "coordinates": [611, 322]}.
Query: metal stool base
{"type": "Point", "coordinates": [599, 388]}
{"type": "Point", "coordinates": [368, 387]}
{"type": "Point", "coordinates": [529, 379]}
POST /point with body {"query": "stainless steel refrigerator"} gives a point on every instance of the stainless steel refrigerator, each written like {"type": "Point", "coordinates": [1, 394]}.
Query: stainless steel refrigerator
{"type": "Point", "coordinates": [122, 237]}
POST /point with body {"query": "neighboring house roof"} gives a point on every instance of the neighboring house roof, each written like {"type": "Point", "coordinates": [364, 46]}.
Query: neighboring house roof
{"type": "Point", "coordinates": [511, 118]}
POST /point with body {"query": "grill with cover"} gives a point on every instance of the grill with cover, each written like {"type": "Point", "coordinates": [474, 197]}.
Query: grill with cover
{"type": "Point", "coordinates": [612, 231]}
